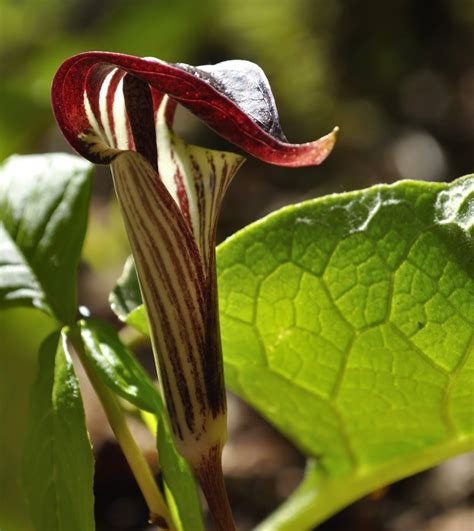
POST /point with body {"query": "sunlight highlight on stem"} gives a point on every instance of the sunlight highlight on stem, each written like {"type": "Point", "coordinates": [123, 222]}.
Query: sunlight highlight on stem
{"type": "Point", "coordinates": [159, 514]}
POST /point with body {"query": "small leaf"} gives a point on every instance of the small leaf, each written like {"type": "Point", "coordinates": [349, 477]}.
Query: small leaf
{"type": "Point", "coordinates": [123, 298]}
{"type": "Point", "coordinates": [58, 463]}
{"type": "Point", "coordinates": [117, 367]}
{"type": "Point", "coordinates": [126, 297]}
{"type": "Point", "coordinates": [126, 300]}
{"type": "Point", "coordinates": [43, 216]}
{"type": "Point", "coordinates": [119, 370]}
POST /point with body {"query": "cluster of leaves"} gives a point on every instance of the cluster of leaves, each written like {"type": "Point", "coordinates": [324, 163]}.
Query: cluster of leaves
{"type": "Point", "coordinates": [44, 208]}
{"type": "Point", "coordinates": [347, 321]}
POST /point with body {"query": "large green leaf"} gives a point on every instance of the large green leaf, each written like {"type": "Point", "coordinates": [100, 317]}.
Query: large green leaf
{"type": "Point", "coordinates": [43, 215]}
{"type": "Point", "coordinates": [58, 462]}
{"type": "Point", "coordinates": [118, 369]}
{"type": "Point", "coordinates": [347, 321]}
{"type": "Point", "coordinates": [22, 330]}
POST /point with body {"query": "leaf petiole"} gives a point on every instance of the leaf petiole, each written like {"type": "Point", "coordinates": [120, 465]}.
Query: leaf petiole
{"type": "Point", "coordinates": [159, 513]}
{"type": "Point", "coordinates": [133, 338]}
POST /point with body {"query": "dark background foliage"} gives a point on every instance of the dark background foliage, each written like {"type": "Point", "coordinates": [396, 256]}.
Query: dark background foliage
{"type": "Point", "coordinates": [396, 76]}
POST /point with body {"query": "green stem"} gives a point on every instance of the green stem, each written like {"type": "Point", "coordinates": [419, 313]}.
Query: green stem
{"type": "Point", "coordinates": [318, 497]}
{"type": "Point", "coordinates": [159, 513]}
{"type": "Point", "coordinates": [150, 421]}
{"type": "Point", "coordinates": [133, 339]}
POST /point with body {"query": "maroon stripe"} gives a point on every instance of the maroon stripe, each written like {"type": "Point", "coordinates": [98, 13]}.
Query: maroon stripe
{"type": "Point", "coordinates": [199, 341]}
{"type": "Point", "coordinates": [173, 414]}
{"type": "Point", "coordinates": [95, 80]}
{"type": "Point", "coordinates": [114, 82]}
{"type": "Point", "coordinates": [213, 369]}
{"type": "Point", "coordinates": [168, 286]}
{"type": "Point", "coordinates": [185, 337]}
{"type": "Point", "coordinates": [170, 345]}
{"type": "Point", "coordinates": [139, 106]}
{"type": "Point", "coordinates": [168, 335]}
{"type": "Point", "coordinates": [210, 356]}
{"type": "Point", "coordinates": [178, 235]}
{"type": "Point", "coordinates": [174, 219]}
{"type": "Point", "coordinates": [212, 177]}
{"type": "Point", "coordinates": [192, 258]}
{"type": "Point", "coordinates": [200, 195]}
{"type": "Point", "coordinates": [170, 109]}
{"type": "Point", "coordinates": [219, 197]}
{"type": "Point", "coordinates": [180, 188]}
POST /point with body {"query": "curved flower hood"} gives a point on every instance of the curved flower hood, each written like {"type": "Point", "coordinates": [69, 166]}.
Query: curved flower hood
{"type": "Point", "coordinates": [233, 98]}
{"type": "Point", "coordinates": [117, 109]}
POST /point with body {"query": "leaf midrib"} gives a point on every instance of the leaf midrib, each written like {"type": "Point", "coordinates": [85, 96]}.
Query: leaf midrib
{"type": "Point", "coordinates": [40, 230]}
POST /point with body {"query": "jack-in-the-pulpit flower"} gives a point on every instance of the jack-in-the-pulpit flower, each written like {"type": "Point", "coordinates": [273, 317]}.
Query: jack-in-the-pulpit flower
{"type": "Point", "coordinates": [117, 109]}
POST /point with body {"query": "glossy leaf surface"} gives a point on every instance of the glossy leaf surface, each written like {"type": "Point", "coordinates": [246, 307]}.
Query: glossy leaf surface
{"type": "Point", "coordinates": [121, 372]}
{"type": "Point", "coordinates": [43, 216]}
{"type": "Point", "coordinates": [117, 366]}
{"type": "Point", "coordinates": [58, 462]}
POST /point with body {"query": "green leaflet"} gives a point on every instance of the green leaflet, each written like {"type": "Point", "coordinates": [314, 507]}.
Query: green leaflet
{"type": "Point", "coordinates": [125, 297]}
{"type": "Point", "coordinates": [119, 370]}
{"type": "Point", "coordinates": [43, 215]}
{"type": "Point", "coordinates": [58, 463]}
{"type": "Point", "coordinates": [122, 297]}
{"type": "Point", "coordinates": [347, 321]}
{"type": "Point", "coordinates": [117, 367]}
{"type": "Point", "coordinates": [22, 330]}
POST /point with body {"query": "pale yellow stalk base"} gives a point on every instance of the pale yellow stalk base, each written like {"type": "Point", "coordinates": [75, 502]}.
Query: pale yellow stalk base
{"type": "Point", "coordinates": [159, 514]}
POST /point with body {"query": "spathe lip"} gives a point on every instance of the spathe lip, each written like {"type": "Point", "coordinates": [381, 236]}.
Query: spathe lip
{"type": "Point", "coordinates": [216, 94]}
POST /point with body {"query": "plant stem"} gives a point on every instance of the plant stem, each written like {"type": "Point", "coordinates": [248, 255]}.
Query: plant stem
{"type": "Point", "coordinates": [211, 480]}
{"type": "Point", "coordinates": [319, 497]}
{"type": "Point", "coordinates": [150, 421]}
{"type": "Point", "coordinates": [132, 338]}
{"type": "Point", "coordinates": [159, 513]}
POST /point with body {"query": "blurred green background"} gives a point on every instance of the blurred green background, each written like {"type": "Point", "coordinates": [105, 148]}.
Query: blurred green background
{"type": "Point", "coordinates": [391, 74]}
{"type": "Point", "coordinates": [396, 76]}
